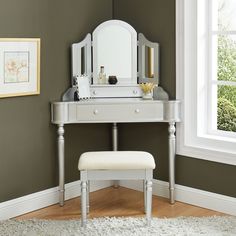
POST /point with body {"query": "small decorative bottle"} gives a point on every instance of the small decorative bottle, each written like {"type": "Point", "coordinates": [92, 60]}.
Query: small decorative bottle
{"type": "Point", "coordinates": [102, 76]}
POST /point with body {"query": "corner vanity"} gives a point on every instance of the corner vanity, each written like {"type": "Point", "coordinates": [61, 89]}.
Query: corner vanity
{"type": "Point", "coordinates": [116, 48]}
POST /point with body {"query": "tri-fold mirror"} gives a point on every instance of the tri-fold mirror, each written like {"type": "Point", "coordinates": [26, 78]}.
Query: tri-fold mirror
{"type": "Point", "coordinates": [115, 48]}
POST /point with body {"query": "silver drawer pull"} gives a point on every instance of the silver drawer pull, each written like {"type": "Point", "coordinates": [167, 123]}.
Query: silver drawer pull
{"type": "Point", "coordinates": [135, 92]}
{"type": "Point", "coordinates": [137, 110]}
{"type": "Point", "coordinates": [95, 112]}
{"type": "Point", "coordinates": [94, 92]}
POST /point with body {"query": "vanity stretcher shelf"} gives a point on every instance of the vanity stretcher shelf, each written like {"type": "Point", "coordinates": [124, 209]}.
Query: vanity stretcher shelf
{"type": "Point", "coordinates": [115, 110]}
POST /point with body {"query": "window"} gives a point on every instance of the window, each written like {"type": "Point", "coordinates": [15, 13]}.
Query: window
{"type": "Point", "coordinates": [222, 30]}
{"type": "Point", "coordinates": [206, 78]}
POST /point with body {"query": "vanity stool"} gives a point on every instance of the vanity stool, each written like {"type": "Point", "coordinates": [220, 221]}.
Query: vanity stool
{"type": "Point", "coordinates": [116, 165]}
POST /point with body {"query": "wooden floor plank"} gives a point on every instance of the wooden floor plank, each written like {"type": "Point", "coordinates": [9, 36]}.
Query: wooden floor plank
{"type": "Point", "coordinates": [118, 202]}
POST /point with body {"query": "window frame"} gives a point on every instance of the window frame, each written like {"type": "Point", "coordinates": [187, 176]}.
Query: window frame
{"type": "Point", "coordinates": [213, 79]}
{"type": "Point", "coordinates": [193, 136]}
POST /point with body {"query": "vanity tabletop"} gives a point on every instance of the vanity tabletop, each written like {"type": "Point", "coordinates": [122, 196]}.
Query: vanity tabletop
{"type": "Point", "coordinates": [116, 101]}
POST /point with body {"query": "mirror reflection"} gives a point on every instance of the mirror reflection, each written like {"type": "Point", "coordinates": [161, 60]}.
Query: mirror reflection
{"type": "Point", "coordinates": [83, 64]}
{"type": "Point", "coordinates": [114, 52]}
{"type": "Point", "coordinates": [149, 62]}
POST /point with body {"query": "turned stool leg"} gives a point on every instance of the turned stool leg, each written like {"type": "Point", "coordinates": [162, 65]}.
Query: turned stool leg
{"type": "Point", "coordinates": [88, 191]}
{"type": "Point", "coordinates": [83, 203]}
{"type": "Point", "coordinates": [144, 196]}
{"type": "Point", "coordinates": [149, 201]}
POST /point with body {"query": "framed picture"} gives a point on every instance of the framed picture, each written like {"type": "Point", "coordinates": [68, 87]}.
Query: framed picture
{"type": "Point", "coordinates": [19, 66]}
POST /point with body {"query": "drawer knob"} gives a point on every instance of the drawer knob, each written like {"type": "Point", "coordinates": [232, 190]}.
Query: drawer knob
{"type": "Point", "coordinates": [135, 92]}
{"type": "Point", "coordinates": [137, 110]}
{"type": "Point", "coordinates": [94, 92]}
{"type": "Point", "coordinates": [95, 112]}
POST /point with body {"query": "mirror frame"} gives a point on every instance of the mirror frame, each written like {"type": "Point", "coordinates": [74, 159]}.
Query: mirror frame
{"type": "Point", "coordinates": [82, 53]}
{"type": "Point", "coordinates": [77, 57]}
{"type": "Point", "coordinates": [144, 42]}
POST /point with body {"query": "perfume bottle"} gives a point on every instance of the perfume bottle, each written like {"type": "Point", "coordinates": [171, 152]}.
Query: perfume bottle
{"type": "Point", "coordinates": [102, 76]}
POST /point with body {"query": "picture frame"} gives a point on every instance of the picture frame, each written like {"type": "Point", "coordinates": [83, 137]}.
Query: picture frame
{"type": "Point", "coordinates": [19, 67]}
{"type": "Point", "coordinates": [83, 87]}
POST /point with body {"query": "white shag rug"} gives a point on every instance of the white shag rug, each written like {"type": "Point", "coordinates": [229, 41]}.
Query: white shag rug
{"type": "Point", "coordinates": [212, 226]}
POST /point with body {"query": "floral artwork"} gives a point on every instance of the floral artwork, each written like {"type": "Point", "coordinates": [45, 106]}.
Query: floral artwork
{"type": "Point", "coordinates": [16, 67]}
{"type": "Point", "coordinates": [19, 67]}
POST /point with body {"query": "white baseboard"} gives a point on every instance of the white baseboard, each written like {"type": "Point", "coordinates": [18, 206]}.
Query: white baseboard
{"type": "Point", "coordinates": [209, 200]}
{"type": "Point", "coordinates": [35, 201]}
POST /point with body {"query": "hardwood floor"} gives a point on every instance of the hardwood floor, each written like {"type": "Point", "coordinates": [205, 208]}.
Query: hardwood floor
{"type": "Point", "coordinates": [118, 202]}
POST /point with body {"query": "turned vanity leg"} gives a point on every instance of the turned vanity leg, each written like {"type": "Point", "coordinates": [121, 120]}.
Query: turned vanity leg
{"type": "Point", "coordinates": [115, 146]}
{"type": "Point", "coordinates": [61, 160]}
{"type": "Point", "coordinates": [172, 161]}
{"type": "Point", "coordinates": [114, 137]}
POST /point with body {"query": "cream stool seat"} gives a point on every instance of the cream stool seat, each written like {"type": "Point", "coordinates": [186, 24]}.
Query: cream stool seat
{"type": "Point", "coordinates": [119, 160]}
{"type": "Point", "coordinates": [116, 165]}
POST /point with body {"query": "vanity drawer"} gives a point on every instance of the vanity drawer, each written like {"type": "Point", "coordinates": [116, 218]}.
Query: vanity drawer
{"type": "Point", "coordinates": [109, 91]}
{"type": "Point", "coordinates": [120, 113]}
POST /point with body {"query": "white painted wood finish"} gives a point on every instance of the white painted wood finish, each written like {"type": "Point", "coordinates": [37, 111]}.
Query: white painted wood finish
{"type": "Point", "coordinates": [116, 110]}
{"type": "Point", "coordinates": [143, 43]}
{"type": "Point", "coordinates": [114, 46]}
{"type": "Point", "coordinates": [115, 91]}
{"type": "Point", "coordinates": [77, 55]}
{"type": "Point", "coordinates": [193, 196]}
{"type": "Point", "coordinates": [200, 143]}
{"type": "Point", "coordinates": [144, 174]}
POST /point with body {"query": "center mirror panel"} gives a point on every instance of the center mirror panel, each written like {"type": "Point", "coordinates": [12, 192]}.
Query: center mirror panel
{"type": "Point", "coordinates": [115, 48]}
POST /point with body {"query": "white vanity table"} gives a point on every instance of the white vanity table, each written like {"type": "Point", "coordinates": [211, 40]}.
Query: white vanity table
{"type": "Point", "coordinates": [119, 103]}
{"type": "Point", "coordinates": [115, 111]}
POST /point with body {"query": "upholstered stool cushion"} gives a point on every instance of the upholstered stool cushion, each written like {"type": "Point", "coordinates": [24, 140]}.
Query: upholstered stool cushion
{"type": "Point", "coordinates": [116, 160]}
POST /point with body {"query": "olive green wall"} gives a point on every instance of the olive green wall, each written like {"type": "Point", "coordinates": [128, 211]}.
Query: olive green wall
{"type": "Point", "coordinates": [156, 20]}
{"type": "Point", "coordinates": [28, 161]}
